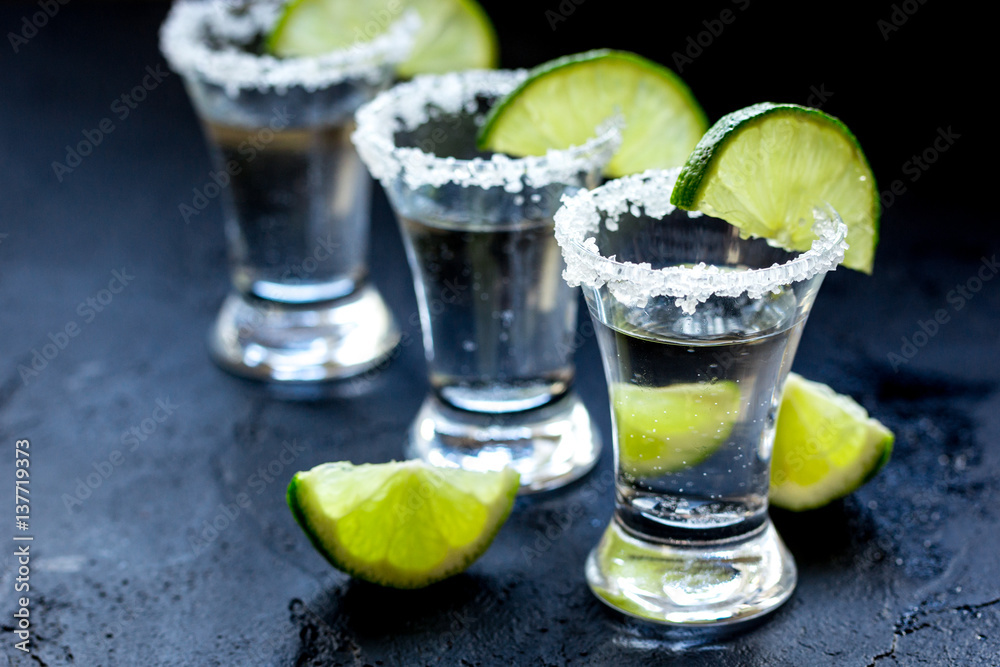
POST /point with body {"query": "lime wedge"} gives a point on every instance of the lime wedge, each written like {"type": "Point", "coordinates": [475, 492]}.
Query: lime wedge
{"type": "Point", "coordinates": [764, 168]}
{"type": "Point", "coordinates": [454, 34]}
{"type": "Point", "coordinates": [404, 525]}
{"type": "Point", "coordinates": [667, 429]}
{"type": "Point", "coordinates": [562, 103]}
{"type": "Point", "coordinates": [825, 446]}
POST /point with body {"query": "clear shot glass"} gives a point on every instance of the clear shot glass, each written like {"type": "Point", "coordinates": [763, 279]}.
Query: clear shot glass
{"type": "Point", "coordinates": [295, 195]}
{"type": "Point", "coordinates": [498, 321]}
{"type": "Point", "coordinates": [697, 329]}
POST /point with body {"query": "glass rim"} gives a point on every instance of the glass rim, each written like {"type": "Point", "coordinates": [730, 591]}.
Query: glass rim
{"type": "Point", "coordinates": [405, 107]}
{"type": "Point", "coordinates": [183, 44]}
{"type": "Point", "coordinates": [580, 216]}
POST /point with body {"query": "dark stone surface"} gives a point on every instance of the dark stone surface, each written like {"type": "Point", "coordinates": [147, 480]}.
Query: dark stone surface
{"type": "Point", "coordinates": [903, 572]}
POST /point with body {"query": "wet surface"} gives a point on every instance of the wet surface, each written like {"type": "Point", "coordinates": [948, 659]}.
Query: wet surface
{"type": "Point", "coordinates": [144, 557]}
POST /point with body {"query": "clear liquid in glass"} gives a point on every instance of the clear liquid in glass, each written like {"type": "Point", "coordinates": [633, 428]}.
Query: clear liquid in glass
{"type": "Point", "coordinates": [299, 210]}
{"type": "Point", "coordinates": [739, 344]}
{"type": "Point", "coordinates": [497, 319]}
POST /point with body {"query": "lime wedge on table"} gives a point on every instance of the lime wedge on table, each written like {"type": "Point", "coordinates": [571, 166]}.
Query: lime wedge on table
{"type": "Point", "coordinates": [562, 103]}
{"type": "Point", "coordinates": [764, 168]}
{"type": "Point", "coordinates": [667, 429]}
{"type": "Point", "coordinates": [825, 446]}
{"type": "Point", "coordinates": [454, 34]}
{"type": "Point", "coordinates": [404, 525]}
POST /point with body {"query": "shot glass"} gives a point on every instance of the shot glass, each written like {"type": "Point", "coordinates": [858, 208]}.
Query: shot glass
{"type": "Point", "coordinates": [294, 193]}
{"type": "Point", "coordinates": [697, 329]}
{"type": "Point", "coordinates": [498, 321]}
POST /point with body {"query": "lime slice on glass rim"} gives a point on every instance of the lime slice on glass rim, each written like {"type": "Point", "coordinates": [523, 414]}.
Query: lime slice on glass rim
{"type": "Point", "coordinates": [667, 429]}
{"type": "Point", "coordinates": [562, 103]}
{"type": "Point", "coordinates": [825, 446]}
{"type": "Point", "coordinates": [403, 525]}
{"type": "Point", "coordinates": [454, 34]}
{"type": "Point", "coordinates": [764, 168]}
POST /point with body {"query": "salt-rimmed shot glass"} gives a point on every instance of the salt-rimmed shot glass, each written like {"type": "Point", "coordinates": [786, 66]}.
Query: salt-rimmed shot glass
{"type": "Point", "coordinates": [295, 195]}
{"type": "Point", "coordinates": [697, 329]}
{"type": "Point", "coordinates": [498, 321]}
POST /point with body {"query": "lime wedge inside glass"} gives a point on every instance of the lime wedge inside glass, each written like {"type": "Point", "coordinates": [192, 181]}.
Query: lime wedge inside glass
{"type": "Point", "coordinates": [825, 446]}
{"type": "Point", "coordinates": [403, 525]}
{"type": "Point", "coordinates": [667, 429]}
{"type": "Point", "coordinates": [562, 103]}
{"type": "Point", "coordinates": [764, 168]}
{"type": "Point", "coordinates": [454, 34]}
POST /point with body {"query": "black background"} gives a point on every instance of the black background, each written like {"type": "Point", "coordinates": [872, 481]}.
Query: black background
{"type": "Point", "coordinates": [902, 572]}
{"type": "Point", "coordinates": [893, 85]}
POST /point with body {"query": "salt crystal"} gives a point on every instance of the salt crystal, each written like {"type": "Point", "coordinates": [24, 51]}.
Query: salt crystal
{"type": "Point", "coordinates": [583, 214]}
{"type": "Point", "coordinates": [409, 105]}
{"type": "Point", "coordinates": [205, 39]}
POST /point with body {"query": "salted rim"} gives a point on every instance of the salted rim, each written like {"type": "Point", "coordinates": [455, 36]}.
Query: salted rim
{"type": "Point", "coordinates": [406, 106]}
{"type": "Point", "coordinates": [183, 43]}
{"type": "Point", "coordinates": [633, 284]}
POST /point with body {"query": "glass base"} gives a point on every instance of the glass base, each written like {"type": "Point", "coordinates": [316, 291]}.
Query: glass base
{"type": "Point", "coordinates": [550, 446]}
{"type": "Point", "coordinates": [279, 342]}
{"type": "Point", "coordinates": [704, 584]}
